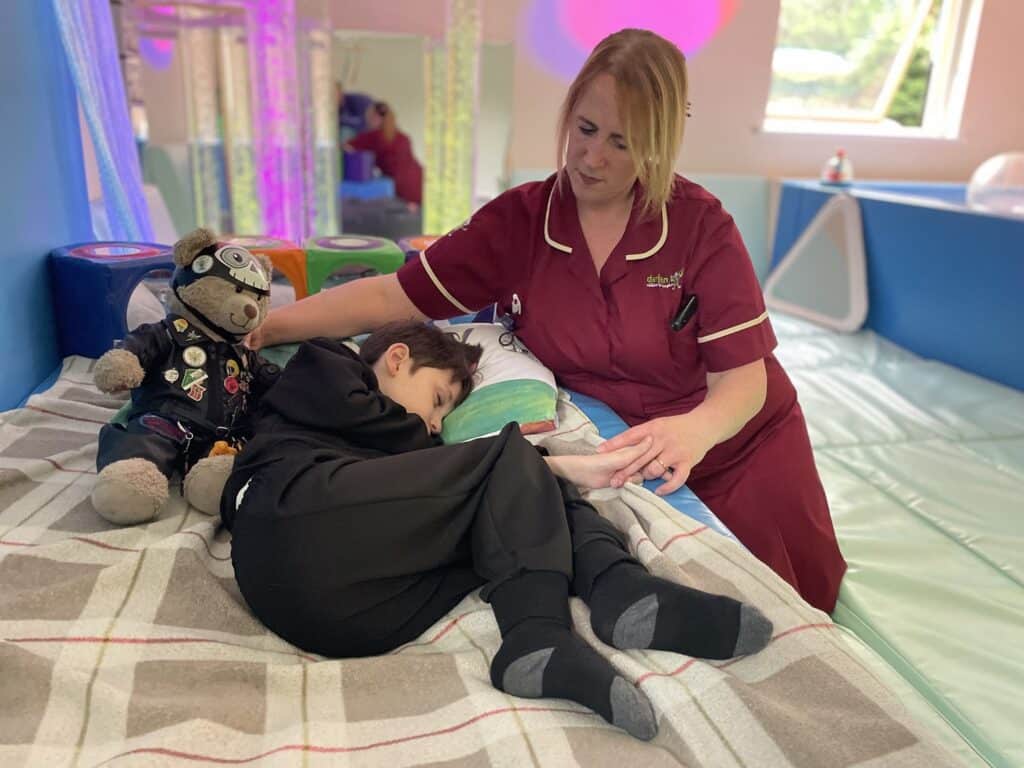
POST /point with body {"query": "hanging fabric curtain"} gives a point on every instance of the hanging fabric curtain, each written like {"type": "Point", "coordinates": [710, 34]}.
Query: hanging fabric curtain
{"type": "Point", "coordinates": [87, 32]}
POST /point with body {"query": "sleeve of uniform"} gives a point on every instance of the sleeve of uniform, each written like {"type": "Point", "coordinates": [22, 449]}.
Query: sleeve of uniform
{"type": "Point", "coordinates": [733, 328]}
{"type": "Point", "coordinates": [463, 271]}
{"type": "Point", "coordinates": [364, 141]}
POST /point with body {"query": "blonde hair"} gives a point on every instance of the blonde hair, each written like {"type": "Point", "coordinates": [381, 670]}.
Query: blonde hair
{"type": "Point", "coordinates": [388, 122]}
{"type": "Point", "coordinates": [651, 90]}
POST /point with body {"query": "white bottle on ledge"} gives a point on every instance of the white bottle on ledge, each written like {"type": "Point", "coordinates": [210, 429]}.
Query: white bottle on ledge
{"type": "Point", "coordinates": [838, 170]}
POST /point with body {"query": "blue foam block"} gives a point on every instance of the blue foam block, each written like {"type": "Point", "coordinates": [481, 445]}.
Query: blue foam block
{"type": "Point", "coordinates": [91, 285]}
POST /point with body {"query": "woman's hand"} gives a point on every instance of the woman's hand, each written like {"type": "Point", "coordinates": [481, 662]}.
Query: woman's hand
{"type": "Point", "coordinates": [597, 469]}
{"type": "Point", "coordinates": [257, 339]}
{"type": "Point", "coordinates": [675, 445]}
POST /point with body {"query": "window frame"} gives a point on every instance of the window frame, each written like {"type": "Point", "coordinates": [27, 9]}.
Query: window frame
{"type": "Point", "coordinates": [953, 46]}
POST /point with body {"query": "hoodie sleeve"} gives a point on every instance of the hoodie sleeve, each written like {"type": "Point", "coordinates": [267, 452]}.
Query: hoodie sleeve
{"type": "Point", "coordinates": [327, 388]}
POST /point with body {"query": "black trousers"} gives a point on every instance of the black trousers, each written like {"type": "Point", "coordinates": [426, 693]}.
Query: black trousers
{"type": "Point", "coordinates": [355, 559]}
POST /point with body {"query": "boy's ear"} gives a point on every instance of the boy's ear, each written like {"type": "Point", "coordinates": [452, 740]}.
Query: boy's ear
{"type": "Point", "coordinates": [395, 356]}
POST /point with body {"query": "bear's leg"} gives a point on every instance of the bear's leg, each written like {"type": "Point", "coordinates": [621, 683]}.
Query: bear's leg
{"type": "Point", "coordinates": [129, 491]}
{"type": "Point", "coordinates": [204, 483]}
{"type": "Point", "coordinates": [134, 465]}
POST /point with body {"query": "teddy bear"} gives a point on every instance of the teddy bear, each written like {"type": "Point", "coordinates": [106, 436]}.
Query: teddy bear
{"type": "Point", "coordinates": [193, 384]}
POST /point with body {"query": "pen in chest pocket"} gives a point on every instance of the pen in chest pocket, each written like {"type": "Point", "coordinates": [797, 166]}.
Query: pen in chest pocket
{"type": "Point", "coordinates": [687, 309]}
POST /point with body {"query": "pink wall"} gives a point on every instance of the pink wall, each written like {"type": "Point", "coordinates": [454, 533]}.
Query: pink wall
{"type": "Point", "coordinates": [421, 17]}
{"type": "Point", "coordinates": [730, 79]}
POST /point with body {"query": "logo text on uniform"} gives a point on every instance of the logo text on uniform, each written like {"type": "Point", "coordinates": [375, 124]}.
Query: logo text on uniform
{"type": "Point", "coordinates": [673, 282]}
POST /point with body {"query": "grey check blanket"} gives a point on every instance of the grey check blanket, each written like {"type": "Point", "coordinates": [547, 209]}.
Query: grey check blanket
{"type": "Point", "coordinates": [132, 646]}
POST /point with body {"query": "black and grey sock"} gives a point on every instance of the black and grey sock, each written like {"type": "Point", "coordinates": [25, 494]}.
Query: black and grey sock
{"type": "Point", "coordinates": [541, 656]}
{"type": "Point", "coordinates": [630, 608]}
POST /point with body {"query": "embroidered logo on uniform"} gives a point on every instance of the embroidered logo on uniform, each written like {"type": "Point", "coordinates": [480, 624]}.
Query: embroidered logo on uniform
{"type": "Point", "coordinates": [673, 282]}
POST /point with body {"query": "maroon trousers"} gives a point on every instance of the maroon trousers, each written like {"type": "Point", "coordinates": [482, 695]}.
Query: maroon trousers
{"type": "Point", "coordinates": [772, 499]}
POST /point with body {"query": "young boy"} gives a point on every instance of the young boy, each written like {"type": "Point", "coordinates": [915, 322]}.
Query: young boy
{"type": "Point", "coordinates": [354, 530]}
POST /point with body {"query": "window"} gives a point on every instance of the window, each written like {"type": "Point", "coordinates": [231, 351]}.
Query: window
{"type": "Point", "coordinates": [872, 66]}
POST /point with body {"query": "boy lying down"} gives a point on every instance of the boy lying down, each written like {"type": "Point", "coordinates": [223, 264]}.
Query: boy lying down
{"type": "Point", "coordinates": [354, 530]}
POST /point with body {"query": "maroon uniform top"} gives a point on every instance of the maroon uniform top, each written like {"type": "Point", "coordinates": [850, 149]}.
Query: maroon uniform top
{"type": "Point", "coordinates": [609, 335]}
{"type": "Point", "coordinates": [395, 159]}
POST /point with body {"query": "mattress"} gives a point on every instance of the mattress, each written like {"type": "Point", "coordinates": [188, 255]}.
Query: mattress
{"type": "Point", "coordinates": [124, 646]}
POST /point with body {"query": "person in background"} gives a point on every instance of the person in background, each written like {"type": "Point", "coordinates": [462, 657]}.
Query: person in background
{"type": "Point", "coordinates": [352, 109]}
{"type": "Point", "coordinates": [393, 150]}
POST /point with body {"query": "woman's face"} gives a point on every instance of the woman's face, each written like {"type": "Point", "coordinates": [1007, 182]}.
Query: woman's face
{"type": "Point", "coordinates": [597, 159]}
{"type": "Point", "coordinates": [373, 118]}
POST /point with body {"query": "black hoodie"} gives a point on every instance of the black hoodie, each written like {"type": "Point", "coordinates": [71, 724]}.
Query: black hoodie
{"type": "Point", "coordinates": [326, 406]}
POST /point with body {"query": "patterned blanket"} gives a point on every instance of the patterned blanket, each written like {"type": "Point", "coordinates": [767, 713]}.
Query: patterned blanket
{"type": "Point", "coordinates": [132, 646]}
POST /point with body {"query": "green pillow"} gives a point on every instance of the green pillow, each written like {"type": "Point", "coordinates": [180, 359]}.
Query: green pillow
{"type": "Point", "coordinates": [510, 385]}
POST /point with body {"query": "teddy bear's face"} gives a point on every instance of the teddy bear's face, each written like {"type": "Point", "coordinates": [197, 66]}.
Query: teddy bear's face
{"type": "Point", "coordinates": [225, 288]}
{"type": "Point", "coordinates": [237, 310]}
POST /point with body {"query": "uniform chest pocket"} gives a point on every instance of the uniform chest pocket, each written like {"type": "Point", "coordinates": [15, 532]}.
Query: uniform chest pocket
{"type": "Point", "coordinates": [681, 324]}
{"type": "Point", "coordinates": [683, 346]}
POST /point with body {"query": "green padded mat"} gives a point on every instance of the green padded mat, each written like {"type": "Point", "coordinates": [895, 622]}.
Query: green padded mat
{"type": "Point", "coordinates": [923, 465]}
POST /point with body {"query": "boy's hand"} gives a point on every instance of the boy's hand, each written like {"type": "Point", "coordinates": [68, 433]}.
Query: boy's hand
{"type": "Point", "coordinates": [598, 469]}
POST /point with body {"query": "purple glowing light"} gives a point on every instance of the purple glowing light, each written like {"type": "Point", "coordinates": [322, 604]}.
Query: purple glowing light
{"type": "Point", "coordinates": [687, 23]}
{"type": "Point", "coordinates": [271, 26]}
{"type": "Point", "coordinates": [547, 40]}
{"type": "Point", "coordinates": [158, 52]}
{"type": "Point", "coordinates": [561, 33]}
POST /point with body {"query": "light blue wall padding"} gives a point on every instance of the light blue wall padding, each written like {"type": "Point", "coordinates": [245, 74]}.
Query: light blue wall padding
{"type": "Point", "coordinates": [944, 281]}
{"type": "Point", "coordinates": [745, 197]}
{"type": "Point", "coordinates": [609, 425]}
{"type": "Point", "coordinates": [43, 201]}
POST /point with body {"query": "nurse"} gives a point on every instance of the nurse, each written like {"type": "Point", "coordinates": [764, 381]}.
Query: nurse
{"type": "Point", "coordinates": [633, 286]}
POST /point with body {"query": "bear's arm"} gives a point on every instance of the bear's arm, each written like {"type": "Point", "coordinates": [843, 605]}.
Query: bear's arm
{"type": "Point", "coordinates": [151, 343]}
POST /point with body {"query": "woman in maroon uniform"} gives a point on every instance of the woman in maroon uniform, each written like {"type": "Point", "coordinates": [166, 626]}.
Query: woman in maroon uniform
{"type": "Point", "coordinates": [393, 150]}
{"type": "Point", "coordinates": [633, 286]}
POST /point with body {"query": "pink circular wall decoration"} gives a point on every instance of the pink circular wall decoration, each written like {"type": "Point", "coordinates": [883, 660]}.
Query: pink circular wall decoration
{"type": "Point", "coordinates": [561, 33]}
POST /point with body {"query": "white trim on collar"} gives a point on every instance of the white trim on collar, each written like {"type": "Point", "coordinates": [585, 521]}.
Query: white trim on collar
{"type": "Point", "coordinates": [547, 233]}
{"type": "Point", "coordinates": [629, 256]}
{"type": "Point", "coordinates": [657, 245]}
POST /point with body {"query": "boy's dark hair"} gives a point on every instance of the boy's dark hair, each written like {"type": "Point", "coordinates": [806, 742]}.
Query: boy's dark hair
{"type": "Point", "coordinates": [429, 346]}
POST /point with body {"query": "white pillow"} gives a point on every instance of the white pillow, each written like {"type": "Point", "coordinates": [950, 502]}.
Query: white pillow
{"type": "Point", "coordinates": [510, 384]}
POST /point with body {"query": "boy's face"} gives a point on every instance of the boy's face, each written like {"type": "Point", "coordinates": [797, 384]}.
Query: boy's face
{"type": "Point", "coordinates": [429, 393]}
